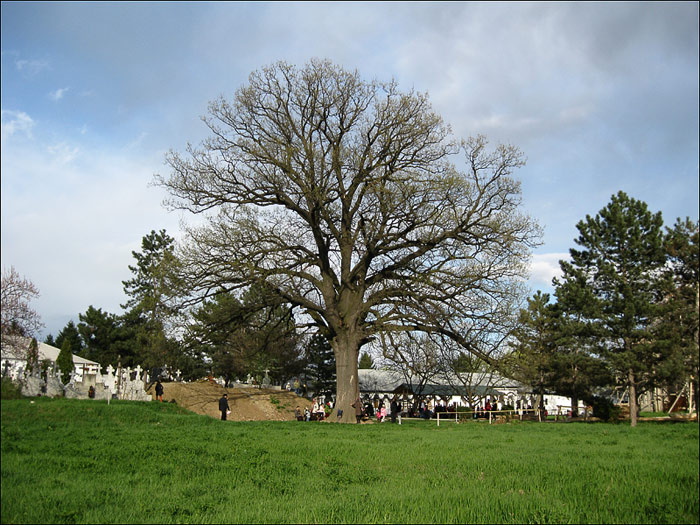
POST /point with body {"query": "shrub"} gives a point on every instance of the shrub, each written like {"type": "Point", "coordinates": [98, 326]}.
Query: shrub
{"type": "Point", "coordinates": [604, 408]}
{"type": "Point", "coordinates": [10, 389]}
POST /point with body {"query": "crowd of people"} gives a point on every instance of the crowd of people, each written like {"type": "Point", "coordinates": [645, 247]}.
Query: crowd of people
{"type": "Point", "coordinates": [319, 411]}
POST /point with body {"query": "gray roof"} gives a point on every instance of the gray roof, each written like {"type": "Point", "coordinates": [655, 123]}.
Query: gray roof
{"type": "Point", "coordinates": [371, 380]}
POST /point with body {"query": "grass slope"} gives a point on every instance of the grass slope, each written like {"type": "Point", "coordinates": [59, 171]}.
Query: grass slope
{"type": "Point", "coordinates": [72, 461]}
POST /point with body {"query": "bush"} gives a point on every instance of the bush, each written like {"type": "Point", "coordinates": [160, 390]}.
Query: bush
{"type": "Point", "coordinates": [10, 390]}
{"type": "Point", "coordinates": [604, 408]}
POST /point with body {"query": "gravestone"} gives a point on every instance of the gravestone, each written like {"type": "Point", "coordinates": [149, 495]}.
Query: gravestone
{"type": "Point", "coordinates": [54, 387]}
{"type": "Point", "coordinates": [33, 385]}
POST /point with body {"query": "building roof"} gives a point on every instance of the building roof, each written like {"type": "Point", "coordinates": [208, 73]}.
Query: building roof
{"type": "Point", "coordinates": [15, 348]}
{"type": "Point", "coordinates": [391, 381]}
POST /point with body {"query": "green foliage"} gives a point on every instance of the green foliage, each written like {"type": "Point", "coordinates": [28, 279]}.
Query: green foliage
{"type": "Point", "coordinates": [102, 333]}
{"type": "Point", "coordinates": [10, 389]}
{"type": "Point", "coordinates": [247, 336]}
{"type": "Point", "coordinates": [534, 347]}
{"type": "Point", "coordinates": [604, 408]}
{"type": "Point", "coordinates": [678, 329]}
{"type": "Point", "coordinates": [152, 296]}
{"type": "Point", "coordinates": [64, 361]}
{"type": "Point", "coordinates": [613, 286]}
{"type": "Point", "coordinates": [71, 335]}
{"type": "Point", "coordinates": [32, 357]}
{"type": "Point", "coordinates": [365, 361]}
{"type": "Point", "coordinates": [156, 463]}
{"type": "Point", "coordinates": [320, 366]}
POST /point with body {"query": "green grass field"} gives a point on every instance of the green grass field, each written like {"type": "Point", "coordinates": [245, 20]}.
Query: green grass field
{"type": "Point", "coordinates": [71, 461]}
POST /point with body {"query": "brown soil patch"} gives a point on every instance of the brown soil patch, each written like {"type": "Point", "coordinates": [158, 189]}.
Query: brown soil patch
{"type": "Point", "coordinates": [247, 404]}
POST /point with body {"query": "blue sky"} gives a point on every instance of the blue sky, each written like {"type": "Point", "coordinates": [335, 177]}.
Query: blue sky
{"type": "Point", "coordinates": [600, 97]}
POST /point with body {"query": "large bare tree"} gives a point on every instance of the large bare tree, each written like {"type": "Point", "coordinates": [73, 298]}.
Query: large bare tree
{"type": "Point", "coordinates": [341, 195]}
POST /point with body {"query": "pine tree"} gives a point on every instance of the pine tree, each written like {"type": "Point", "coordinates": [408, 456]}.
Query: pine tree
{"type": "Point", "coordinates": [532, 359]}
{"type": "Point", "coordinates": [365, 361]}
{"type": "Point", "coordinates": [678, 330]}
{"type": "Point", "coordinates": [70, 334]}
{"type": "Point", "coordinates": [151, 295]}
{"type": "Point", "coordinates": [617, 271]}
{"type": "Point", "coordinates": [321, 366]}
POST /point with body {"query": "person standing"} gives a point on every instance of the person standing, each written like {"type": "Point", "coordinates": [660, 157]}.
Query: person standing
{"type": "Point", "coordinates": [159, 391]}
{"type": "Point", "coordinates": [357, 405]}
{"type": "Point", "coordinates": [223, 407]}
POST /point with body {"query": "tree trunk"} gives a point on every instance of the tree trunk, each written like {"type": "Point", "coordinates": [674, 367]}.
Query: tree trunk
{"type": "Point", "coordinates": [574, 406]}
{"type": "Point", "coordinates": [347, 349]}
{"type": "Point", "coordinates": [633, 397]}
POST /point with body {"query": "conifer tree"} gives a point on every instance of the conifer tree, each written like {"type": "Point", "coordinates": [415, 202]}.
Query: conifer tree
{"type": "Point", "coordinates": [32, 356]}
{"type": "Point", "coordinates": [365, 361]}
{"type": "Point", "coordinates": [64, 361]}
{"type": "Point", "coordinates": [616, 277]}
{"type": "Point", "coordinates": [321, 365]}
{"type": "Point", "coordinates": [70, 334]}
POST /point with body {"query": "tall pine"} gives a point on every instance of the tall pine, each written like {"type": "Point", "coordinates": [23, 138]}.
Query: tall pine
{"type": "Point", "coordinates": [618, 269]}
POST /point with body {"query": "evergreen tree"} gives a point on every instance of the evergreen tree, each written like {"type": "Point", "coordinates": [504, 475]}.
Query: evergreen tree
{"type": "Point", "coordinates": [321, 367]}
{"type": "Point", "coordinates": [531, 361]}
{"type": "Point", "coordinates": [64, 361]}
{"type": "Point", "coordinates": [70, 333]}
{"type": "Point", "coordinates": [32, 357]}
{"type": "Point", "coordinates": [618, 269]}
{"type": "Point", "coordinates": [108, 337]}
{"type": "Point", "coordinates": [247, 336]}
{"type": "Point", "coordinates": [678, 330]}
{"type": "Point", "coordinates": [49, 340]}
{"type": "Point", "coordinates": [365, 361]}
{"type": "Point", "coordinates": [151, 293]}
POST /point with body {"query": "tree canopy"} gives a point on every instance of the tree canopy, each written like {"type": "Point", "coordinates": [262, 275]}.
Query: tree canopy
{"type": "Point", "coordinates": [342, 196]}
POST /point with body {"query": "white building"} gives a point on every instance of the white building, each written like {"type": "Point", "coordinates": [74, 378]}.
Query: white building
{"type": "Point", "coordinates": [14, 357]}
{"type": "Point", "coordinates": [467, 390]}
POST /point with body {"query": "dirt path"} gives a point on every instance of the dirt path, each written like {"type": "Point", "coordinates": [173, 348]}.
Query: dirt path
{"type": "Point", "coordinates": [247, 404]}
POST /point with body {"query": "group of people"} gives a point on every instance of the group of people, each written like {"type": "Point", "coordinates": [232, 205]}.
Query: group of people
{"type": "Point", "coordinates": [366, 411]}
{"type": "Point", "coordinates": [319, 411]}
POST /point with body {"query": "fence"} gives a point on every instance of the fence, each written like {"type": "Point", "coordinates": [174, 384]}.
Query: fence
{"type": "Point", "coordinates": [493, 414]}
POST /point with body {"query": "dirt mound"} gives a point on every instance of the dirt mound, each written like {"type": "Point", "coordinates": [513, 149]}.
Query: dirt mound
{"type": "Point", "coordinates": [247, 404]}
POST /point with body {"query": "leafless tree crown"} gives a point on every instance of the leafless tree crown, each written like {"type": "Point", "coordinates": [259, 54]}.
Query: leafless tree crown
{"type": "Point", "coordinates": [18, 318]}
{"type": "Point", "coordinates": [343, 195]}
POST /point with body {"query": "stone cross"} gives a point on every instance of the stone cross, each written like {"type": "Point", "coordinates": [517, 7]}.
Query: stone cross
{"type": "Point", "coordinates": [138, 371]}
{"type": "Point", "coordinates": [178, 374]}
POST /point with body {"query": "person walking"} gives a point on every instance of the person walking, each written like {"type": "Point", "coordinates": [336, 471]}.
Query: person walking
{"type": "Point", "coordinates": [159, 391]}
{"type": "Point", "coordinates": [223, 407]}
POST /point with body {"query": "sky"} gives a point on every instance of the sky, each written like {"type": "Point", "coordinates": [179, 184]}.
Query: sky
{"type": "Point", "coordinates": [600, 97]}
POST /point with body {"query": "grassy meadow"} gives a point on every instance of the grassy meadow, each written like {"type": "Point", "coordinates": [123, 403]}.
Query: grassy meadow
{"type": "Point", "coordinates": [73, 461]}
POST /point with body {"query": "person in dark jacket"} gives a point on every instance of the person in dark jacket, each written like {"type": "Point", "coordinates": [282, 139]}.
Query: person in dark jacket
{"type": "Point", "coordinates": [159, 391]}
{"type": "Point", "coordinates": [357, 405]}
{"type": "Point", "coordinates": [223, 407]}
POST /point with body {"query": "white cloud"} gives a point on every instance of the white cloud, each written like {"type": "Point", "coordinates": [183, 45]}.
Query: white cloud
{"type": "Point", "coordinates": [31, 67]}
{"type": "Point", "coordinates": [545, 267]}
{"type": "Point", "coordinates": [15, 122]}
{"type": "Point", "coordinates": [63, 153]}
{"type": "Point", "coordinates": [58, 94]}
